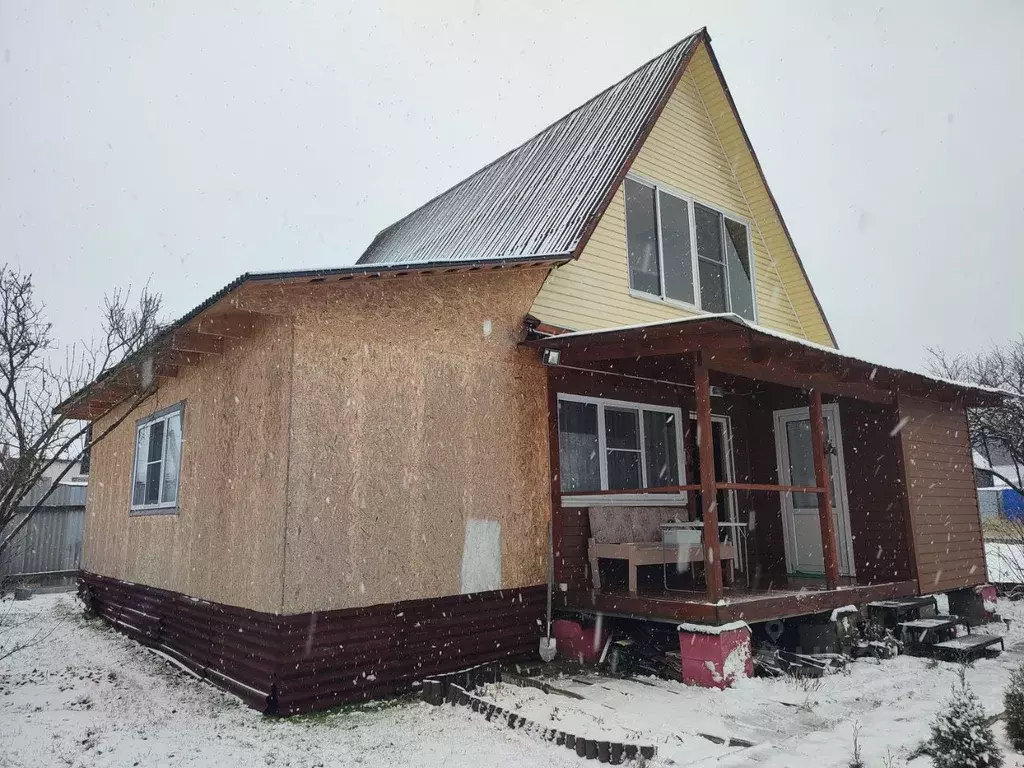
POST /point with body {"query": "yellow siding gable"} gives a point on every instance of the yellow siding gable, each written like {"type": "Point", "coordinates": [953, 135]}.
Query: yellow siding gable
{"type": "Point", "coordinates": [696, 147]}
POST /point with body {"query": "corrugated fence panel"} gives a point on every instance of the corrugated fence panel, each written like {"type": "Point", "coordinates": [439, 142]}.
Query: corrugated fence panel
{"type": "Point", "coordinates": [64, 495]}
{"type": "Point", "coordinates": [303, 662]}
{"type": "Point", "coordinates": [50, 543]}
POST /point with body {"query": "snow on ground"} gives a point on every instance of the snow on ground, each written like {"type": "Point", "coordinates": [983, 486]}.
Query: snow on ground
{"type": "Point", "coordinates": [85, 696]}
{"type": "Point", "coordinates": [1005, 561]}
{"type": "Point", "coordinates": [792, 723]}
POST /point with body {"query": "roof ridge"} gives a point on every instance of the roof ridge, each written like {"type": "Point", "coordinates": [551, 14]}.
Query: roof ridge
{"type": "Point", "coordinates": [686, 41]}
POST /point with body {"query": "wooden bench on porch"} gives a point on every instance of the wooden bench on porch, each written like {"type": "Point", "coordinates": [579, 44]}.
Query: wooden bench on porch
{"type": "Point", "coordinates": [648, 553]}
{"type": "Point", "coordinates": [634, 534]}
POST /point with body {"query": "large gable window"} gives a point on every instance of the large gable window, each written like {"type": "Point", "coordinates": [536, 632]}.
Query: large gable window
{"type": "Point", "coordinates": [157, 462]}
{"type": "Point", "coordinates": [609, 445]}
{"type": "Point", "coordinates": [685, 252]}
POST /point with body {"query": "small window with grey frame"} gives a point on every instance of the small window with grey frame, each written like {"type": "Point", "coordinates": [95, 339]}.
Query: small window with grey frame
{"type": "Point", "coordinates": [156, 470]}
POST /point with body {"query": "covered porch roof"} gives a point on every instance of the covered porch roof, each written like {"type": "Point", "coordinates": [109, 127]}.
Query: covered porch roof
{"type": "Point", "coordinates": [731, 345]}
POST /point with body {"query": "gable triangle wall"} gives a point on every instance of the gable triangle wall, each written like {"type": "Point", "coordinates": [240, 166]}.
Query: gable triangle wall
{"type": "Point", "coordinates": [698, 148]}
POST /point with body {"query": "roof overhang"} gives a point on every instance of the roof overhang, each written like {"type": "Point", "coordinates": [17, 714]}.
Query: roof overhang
{"type": "Point", "coordinates": [733, 346]}
{"type": "Point", "coordinates": [204, 330]}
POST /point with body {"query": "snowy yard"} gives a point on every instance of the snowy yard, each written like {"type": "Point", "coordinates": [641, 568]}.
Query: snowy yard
{"type": "Point", "coordinates": [85, 696]}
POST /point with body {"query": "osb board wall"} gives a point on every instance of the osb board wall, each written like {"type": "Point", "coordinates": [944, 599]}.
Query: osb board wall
{"type": "Point", "coordinates": [696, 147]}
{"type": "Point", "coordinates": [943, 499]}
{"type": "Point", "coordinates": [225, 543]}
{"type": "Point", "coordinates": [419, 451]}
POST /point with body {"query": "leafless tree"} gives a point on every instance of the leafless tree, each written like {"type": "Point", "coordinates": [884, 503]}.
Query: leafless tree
{"type": "Point", "coordinates": [33, 380]}
{"type": "Point", "coordinates": [1000, 430]}
{"type": "Point", "coordinates": [996, 432]}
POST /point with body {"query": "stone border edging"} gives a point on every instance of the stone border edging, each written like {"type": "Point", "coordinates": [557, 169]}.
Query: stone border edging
{"type": "Point", "coordinates": [456, 689]}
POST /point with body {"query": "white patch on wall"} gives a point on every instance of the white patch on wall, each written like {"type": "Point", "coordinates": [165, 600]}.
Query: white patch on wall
{"type": "Point", "coordinates": [481, 556]}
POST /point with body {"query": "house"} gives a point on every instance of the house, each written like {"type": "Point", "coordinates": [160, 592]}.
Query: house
{"type": "Point", "coordinates": [337, 482]}
{"type": "Point", "coordinates": [997, 497]}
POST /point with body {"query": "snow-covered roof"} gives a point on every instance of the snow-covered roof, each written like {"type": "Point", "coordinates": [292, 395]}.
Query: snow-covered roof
{"type": "Point", "coordinates": [682, 322]}
{"type": "Point", "coordinates": [538, 199]}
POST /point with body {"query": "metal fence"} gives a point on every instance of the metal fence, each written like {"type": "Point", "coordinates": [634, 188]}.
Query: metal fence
{"type": "Point", "coordinates": [991, 502]}
{"type": "Point", "coordinates": [49, 548]}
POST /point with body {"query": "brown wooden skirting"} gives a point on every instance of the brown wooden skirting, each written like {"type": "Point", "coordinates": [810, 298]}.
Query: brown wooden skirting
{"type": "Point", "coordinates": [750, 610]}
{"type": "Point", "coordinates": [303, 662]}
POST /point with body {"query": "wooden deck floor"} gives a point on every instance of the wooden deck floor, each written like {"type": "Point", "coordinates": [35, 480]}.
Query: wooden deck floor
{"type": "Point", "coordinates": [786, 597]}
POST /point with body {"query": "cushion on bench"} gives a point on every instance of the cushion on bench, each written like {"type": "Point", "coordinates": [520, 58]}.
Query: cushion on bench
{"type": "Point", "coordinates": [622, 525]}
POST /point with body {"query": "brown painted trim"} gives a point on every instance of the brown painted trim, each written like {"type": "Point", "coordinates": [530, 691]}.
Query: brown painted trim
{"type": "Point", "coordinates": [709, 498]}
{"type": "Point", "coordinates": [769, 488]}
{"type": "Point", "coordinates": [701, 36]}
{"type": "Point", "coordinates": [771, 197]}
{"type": "Point", "coordinates": [555, 484]}
{"type": "Point", "coordinates": [974, 487]}
{"type": "Point", "coordinates": [908, 514]}
{"type": "Point", "coordinates": [304, 662]}
{"type": "Point", "coordinates": [767, 608]}
{"type": "Point", "coordinates": [826, 520]}
{"type": "Point", "coordinates": [813, 602]}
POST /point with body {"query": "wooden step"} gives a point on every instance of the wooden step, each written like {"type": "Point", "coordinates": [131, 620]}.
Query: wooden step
{"type": "Point", "coordinates": [903, 602]}
{"type": "Point", "coordinates": [968, 647]}
{"type": "Point", "coordinates": [918, 635]}
{"type": "Point", "coordinates": [890, 613]}
{"type": "Point", "coordinates": [930, 625]}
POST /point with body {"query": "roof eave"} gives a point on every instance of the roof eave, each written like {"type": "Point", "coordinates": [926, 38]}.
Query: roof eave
{"type": "Point", "coordinates": [72, 404]}
{"type": "Point", "coordinates": [907, 383]}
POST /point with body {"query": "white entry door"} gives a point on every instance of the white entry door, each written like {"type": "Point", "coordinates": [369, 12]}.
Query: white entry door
{"type": "Point", "coordinates": [800, 520]}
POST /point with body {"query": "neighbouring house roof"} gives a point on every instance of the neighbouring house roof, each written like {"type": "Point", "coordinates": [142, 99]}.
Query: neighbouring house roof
{"type": "Point", "coordinates": [711, 330]}
{"type": "Point", "coordinates": [539, 198]}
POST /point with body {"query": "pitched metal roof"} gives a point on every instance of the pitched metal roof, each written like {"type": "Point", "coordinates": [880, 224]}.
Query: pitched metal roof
{"type": "Point", "coordinates": [539, 199]}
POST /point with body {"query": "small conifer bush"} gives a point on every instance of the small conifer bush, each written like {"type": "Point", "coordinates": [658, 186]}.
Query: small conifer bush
{"type": "Point", "coordinates": [1013, 703]}
{"type": "Point", "coordinates": [961, 734]}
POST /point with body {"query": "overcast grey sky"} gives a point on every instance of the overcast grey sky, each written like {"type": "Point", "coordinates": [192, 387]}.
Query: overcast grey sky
{"type": "Point", "coordinates": [186, 143]}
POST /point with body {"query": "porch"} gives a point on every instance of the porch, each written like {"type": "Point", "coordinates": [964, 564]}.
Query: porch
{"type": "Point", "coordinates": [803, 508]}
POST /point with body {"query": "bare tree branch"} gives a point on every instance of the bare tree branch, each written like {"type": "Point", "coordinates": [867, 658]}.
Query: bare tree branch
{"type": "Point", "coordinates": [995, 432]}
{"type": "Point", "coordinates": [32, 437]}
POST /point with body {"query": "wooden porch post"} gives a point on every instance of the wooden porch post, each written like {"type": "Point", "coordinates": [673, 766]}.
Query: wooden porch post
{"type": "Point", "coordinates": [708, 492]}
{"type": "Point", "coordinates": [829, 549]}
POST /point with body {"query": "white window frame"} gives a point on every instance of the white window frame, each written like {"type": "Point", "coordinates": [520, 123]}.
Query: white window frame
{"type": "Point", "coordinates": [620, 499]}
{"type": "Point", "coordinates": [730, 466]}
{"type": "Point", "coordinates": [658, 188]}
{"type": "Point", "coordinates": [164, 415]}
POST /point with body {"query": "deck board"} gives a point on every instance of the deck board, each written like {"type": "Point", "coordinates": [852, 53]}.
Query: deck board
{"type": "Point", "coordinates": [749, 605]}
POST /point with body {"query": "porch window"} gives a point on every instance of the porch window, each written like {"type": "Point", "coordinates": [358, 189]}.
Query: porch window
{"type": "Point", "coordinates": [157, 460]}
{"type": "Point", "coordinates": [685, 252]}
{"type": "Point", "coordinates": [609, 445]}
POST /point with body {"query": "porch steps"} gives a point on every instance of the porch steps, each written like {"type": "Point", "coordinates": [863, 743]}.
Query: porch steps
{"type": "Point", "coordinates": [937, 637]}
{"type": "Point", "coordinates": [891, 613]}
{"type": "Point", "coordinates": [968, 648]}
{"type": "Point", "coordinates": [920, 635]}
